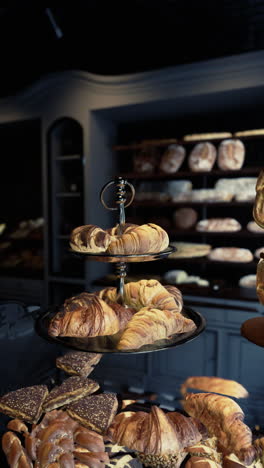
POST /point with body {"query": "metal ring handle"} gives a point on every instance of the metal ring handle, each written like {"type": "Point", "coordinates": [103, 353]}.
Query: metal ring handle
{"type": "Point", "coordinates": [108, 185]}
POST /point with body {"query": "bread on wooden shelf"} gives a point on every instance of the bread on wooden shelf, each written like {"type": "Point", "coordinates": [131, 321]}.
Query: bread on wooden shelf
{"type": "Point", "coordinates": [231, 155]}
{"type": "Point", "coordinates": [207, 136]}
{"type": "Point", "coordinates": [214, 384]}
{"type": "Point", "coordinates": [254, 227]}
{"type": "Point", "coordinates": [231, 254]}
{"type": "Point", "coordinates": [172, 159]}
{"type": "Point", "coordinates": [184, 218]}
{"type": "Point", "coordinates": [242, 188]}
{"type": "Point", "coordinates": [253, 132]}
{"type": "Point", "coordinates": [248, 281]}
{"type": "Point", "coordinates": [218, 225]}
{"type": "Point", "coordinates": [258, 252]}
{"type": "Point", "coordinates": [202, 157]}
{"type": "Point", "coordinates": [145, 160]}
{"type": "Point", "coordinates": [203, 195]}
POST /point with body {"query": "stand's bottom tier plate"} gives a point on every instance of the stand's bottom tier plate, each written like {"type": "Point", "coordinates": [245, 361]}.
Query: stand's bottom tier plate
{"type": "Point", "coordinates": [107, 344]}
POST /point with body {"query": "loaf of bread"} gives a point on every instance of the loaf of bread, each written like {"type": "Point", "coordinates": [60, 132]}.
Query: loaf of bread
{"type": "Point", "coordinates": [255, 132]}
{"type": "Point", "coordinates": [239, 186]}
{"type": "Point", "coordinates": [185, 218]}
{"type": "Point", "coordinates": [218, 225]}
{"type": "Point", "coordinates": [258, 252]}
{"type": "Point", "coordinates": [202, 157]}
{"type": "Point", "coordinates": [203, 195]}
{"type": "Point", "coordinates": [172, 159]}
{"type": "Point", "coordinates": [231, 155]}
{"type": "Point", "coordinates": [146, 160]}
{"type": "Point", "coordinates": [230, 254]}
{"type": "Point", "coordinates": [248, 281]}
{"type": "Point", "coordinates": [254, 227]}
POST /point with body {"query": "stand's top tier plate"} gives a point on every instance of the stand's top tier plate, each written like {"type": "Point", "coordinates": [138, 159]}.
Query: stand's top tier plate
{"type": "Point", "coordinates": [107, 344]}
{"type": "Point", "coordinates": [109, 258]}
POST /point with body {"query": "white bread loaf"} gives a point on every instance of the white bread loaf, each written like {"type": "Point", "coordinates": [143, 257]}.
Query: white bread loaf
{"type": "Point", "coordinates": [254, 227]}
{"type": "Point", "coordinates": [202, 157]}
{"type": "Point", "coordinates": [231, 254]}
{"type": "Point", "coordinates": [172, 159]}
{"type": "Point", "coordinates": [231, 155]}
{"type": "Point", "coordinates": [218, 225]}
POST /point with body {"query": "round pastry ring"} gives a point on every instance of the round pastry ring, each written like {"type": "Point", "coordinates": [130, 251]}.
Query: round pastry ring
{"type": "Point", "coordinates": [116, 207]}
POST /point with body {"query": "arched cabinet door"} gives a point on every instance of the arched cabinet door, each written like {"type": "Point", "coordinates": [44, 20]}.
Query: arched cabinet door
{"type": "Point", "coordinates": [65, 189]}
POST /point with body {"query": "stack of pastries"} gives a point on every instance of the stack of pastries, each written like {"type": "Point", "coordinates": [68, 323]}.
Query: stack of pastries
{"type": "Point", "coordinates": [152, 312]}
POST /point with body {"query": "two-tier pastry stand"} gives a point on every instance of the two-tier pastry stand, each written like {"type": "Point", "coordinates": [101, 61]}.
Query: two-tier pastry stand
{"type": "Point", "coordinates": [107, 344]}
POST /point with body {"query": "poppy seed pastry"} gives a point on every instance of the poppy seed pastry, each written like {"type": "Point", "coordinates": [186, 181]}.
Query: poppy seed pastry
{"type": "Point", "coordinates": [95, 412]}
{"type": "Point", "coordinates": [78, 362]}
{"type": "Point", "coordinates": [72, 389]}
{"type": "Point", "coordinates": [25, 403]}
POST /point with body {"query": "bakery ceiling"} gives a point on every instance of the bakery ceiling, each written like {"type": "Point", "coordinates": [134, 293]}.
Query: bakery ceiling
{"type": "Point", "coordinates": [122, 37]}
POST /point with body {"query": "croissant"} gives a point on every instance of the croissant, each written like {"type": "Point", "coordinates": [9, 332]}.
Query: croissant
{"type": "Point", "coordinates": [149, 325]}
{"type": "Point", "coordinates": [159, 441]}
{"type": "Point", "coordinates": [215, 384]}
{"type": "Point", "coordinates": [150, 293]}
{"type": "Point", "coordinates": [223, 419]}
{"type": "Point", "coordinates": [90, 239]}
{"type": "Point", "coordinates": [123, 228]}
{"type": "Point", "coordinates": [84, 315]}
{"type": "Point", "coordinates": [15, 453]}
{"type": "Point", "coordinates": [258, 210]}
{"type": "Point", "coordinates": [177, 295]}
{"type": "Point", "coordinates": [201, 462]}
{"type": "Point", "coordinates": [148, 238]}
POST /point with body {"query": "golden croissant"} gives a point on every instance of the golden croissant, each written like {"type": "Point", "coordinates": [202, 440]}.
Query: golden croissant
{"type": "Point", "coordinates": [223, 419]}
{"type": "Point", "coordinates": [148, 238]}
{"type": "Point", "coordinates": [156, 435]}
{"type": "Point", "coordinates": [84, 315]}
{"type": "Point", "coordinates": [90, 239]}
{"type": "Point", "coordinates": [149, 325]}
{"type": "Point", "coordinates": [216, 385]}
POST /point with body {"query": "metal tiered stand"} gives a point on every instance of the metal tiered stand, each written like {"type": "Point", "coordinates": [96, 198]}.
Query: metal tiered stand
{"type": "Point", "coordinates": [107, 344]}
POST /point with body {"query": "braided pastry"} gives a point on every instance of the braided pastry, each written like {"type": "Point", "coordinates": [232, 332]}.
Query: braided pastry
{"type": "Point", "coordinates": [15, 453]}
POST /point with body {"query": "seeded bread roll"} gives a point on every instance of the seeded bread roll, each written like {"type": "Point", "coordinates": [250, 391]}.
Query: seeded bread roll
{"type": "Point", "coordinates": [231, 155]}
{"type": "Point", "coordinates": [202, 157]}
{"type": "Point", "coordinates": [172, 159]}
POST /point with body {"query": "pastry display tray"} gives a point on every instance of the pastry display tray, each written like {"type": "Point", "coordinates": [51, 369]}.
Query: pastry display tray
{"type": "Point", "coordinates": [107, 344]}
{"type": "Point", "coordinates": [103, 257]}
